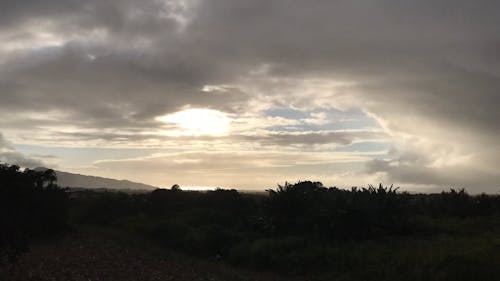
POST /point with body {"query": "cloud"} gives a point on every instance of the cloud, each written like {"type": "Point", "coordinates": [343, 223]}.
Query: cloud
{"type": "Point", "coordinates": [317, 118]}
{"type": "Point", "coordinates": [100, 72]}
{"type": "Point", "coordinates": [438, 178]}
{"type": "Point", "coordinates": [9, 155]}
{"type": "Point", "coordinates": [316, 137]}
{"type": "Point", "coordinates": [4, 144]}
{"type": "Point", "coordinates": [244, 169]}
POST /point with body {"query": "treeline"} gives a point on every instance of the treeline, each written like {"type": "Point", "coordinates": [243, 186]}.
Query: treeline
{"type": "Point", "coordinates": [31, 206]}
{"type": "Point", "coordinates": [309, 207]}
{"type": "Point", "coordinates": [293, 228]}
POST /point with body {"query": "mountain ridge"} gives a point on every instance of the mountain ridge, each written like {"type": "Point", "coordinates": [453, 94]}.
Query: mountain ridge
{"type": "Point", "coordinates": [74, 180]}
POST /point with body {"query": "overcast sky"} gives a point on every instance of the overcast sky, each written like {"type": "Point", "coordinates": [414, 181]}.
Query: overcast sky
{"type": "Point", "coordinates": [249, 94]}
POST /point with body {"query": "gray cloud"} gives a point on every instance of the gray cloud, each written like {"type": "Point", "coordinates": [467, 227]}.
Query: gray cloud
{"type": "Point", "coordinates": [9, 155]}
{"type": "Point", "coordinates": [315, 137]}
{"type": "Point", "coordinates": [456, 176]}
{"type": "Point", "coordinates": [4, 144]}
{"type": "Point", "coordinates": [265, 140]}
{"type": "Point", "coordinates": [427, 70]}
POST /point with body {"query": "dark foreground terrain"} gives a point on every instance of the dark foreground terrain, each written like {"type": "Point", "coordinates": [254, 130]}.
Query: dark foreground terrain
{"type": "Point", "coordinates": [301, 231]}
{"type": "Point", "coordinates": [106, 255]}
{"type": "Point", "coordinates": [93, 254]}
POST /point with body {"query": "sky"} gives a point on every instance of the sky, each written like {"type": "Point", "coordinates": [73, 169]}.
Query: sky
{"type": "Point", "coordinates": [249, 94]}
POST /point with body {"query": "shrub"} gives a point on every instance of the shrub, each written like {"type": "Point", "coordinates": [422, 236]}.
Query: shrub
{"type": "Point", "coordinates": [31, 205]}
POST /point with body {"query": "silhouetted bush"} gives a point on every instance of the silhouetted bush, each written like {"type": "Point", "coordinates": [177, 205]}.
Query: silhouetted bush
{"type": "Point", "coordinates": [294, 228]}
{"type": "Point", "coordinates": [311, 209]}
{"type": "Point", "coordinates": [103, 208]}
{"type": "Point", "coordinates": [31, 205]}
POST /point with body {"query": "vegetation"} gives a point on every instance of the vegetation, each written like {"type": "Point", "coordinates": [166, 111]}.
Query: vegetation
{"type": "Point", "coordinates": [31, 206]}
{"type": "Point", "coordinates": [306, 229]}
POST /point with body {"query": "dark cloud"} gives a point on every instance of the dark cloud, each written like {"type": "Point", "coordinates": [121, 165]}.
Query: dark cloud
{"type": "Point", "coordinates": [456, 176]}
{"type": "Point", "coordinates": [427, 70]}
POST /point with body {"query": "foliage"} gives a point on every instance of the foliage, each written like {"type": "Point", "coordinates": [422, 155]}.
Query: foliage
{"type": "Point", "coordinates": [331, 212]}
{"type": "Point", "coordinates": [297, 228]}
{"type": "Point", "coordinates": [31, 205]}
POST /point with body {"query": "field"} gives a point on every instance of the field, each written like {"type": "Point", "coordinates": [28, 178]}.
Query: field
{"type": "Point", "coordinates": [301, 231]}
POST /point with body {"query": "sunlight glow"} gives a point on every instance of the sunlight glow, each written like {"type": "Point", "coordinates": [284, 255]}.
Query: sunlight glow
{"type": "Point", "coordinates": [198, 121]}
{"type": "Point", "coordinates": [198, 188]}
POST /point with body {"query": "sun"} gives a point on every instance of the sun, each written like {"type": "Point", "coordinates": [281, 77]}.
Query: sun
{"type": "Point", "coordinates": [198, 121]}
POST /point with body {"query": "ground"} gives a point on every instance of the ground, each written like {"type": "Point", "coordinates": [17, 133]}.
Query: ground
{"type": "Point", "coordinates": [100, 256]}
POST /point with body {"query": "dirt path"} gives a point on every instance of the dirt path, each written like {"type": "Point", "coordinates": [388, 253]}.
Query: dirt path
{"type": "Point", "coordinates": [90, 256]}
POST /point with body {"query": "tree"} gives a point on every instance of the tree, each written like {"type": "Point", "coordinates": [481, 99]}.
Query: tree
{"type": "Point", "coordinates": [31, 205]}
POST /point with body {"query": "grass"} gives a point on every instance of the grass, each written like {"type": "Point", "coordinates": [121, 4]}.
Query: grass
{"type": "Point", "coordinates": [457, 252]}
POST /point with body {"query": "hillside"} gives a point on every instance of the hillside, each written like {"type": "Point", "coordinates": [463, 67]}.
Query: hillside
{"type": "Point", "coordinates": [77, 180]}
{"type": "Point", "coordinates": [65, 179]}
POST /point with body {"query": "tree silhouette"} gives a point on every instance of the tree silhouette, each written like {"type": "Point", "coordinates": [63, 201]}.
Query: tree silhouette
{"type": "Point", "coordinates": [31, 205]}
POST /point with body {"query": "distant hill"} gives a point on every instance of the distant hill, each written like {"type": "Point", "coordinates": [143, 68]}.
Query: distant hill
{"type": "Point", "coordinates": [65, 179]}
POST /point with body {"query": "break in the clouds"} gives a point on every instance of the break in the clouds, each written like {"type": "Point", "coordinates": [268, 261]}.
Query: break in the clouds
{"type": "Point", "coordinates": [350, 92]}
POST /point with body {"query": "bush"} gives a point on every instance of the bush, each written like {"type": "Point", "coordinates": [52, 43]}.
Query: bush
{"type": "Point", "coordinates": [31, 205]}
